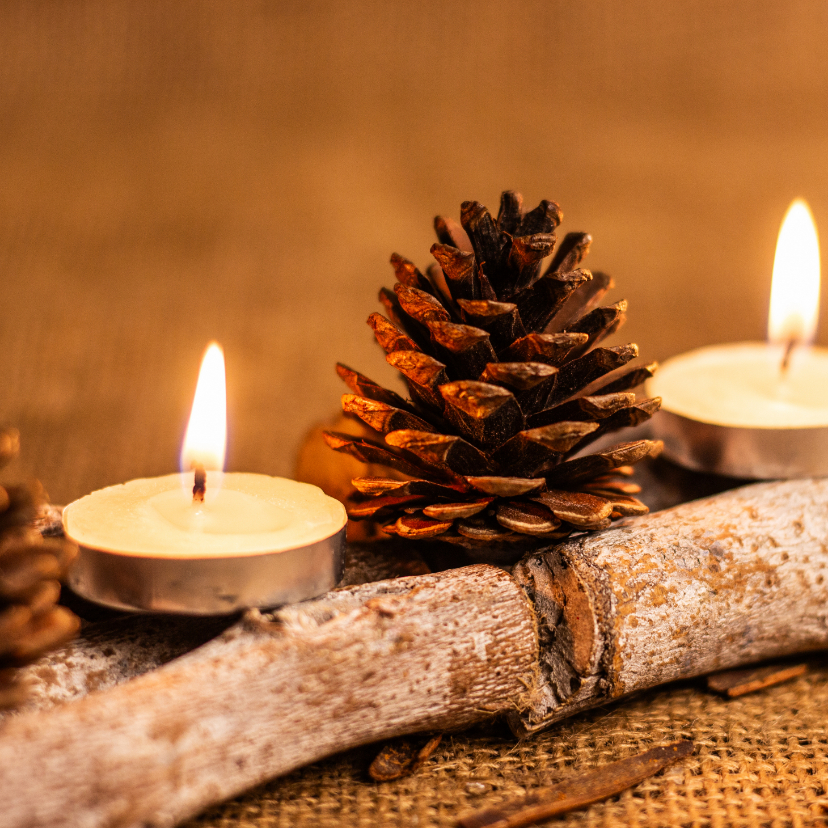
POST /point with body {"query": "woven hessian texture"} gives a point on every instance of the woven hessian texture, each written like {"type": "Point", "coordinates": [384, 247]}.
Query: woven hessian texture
{"type": "Point", "coordinates": [238, 170]}
{"type": "Point", "coordinates": [760, 760]}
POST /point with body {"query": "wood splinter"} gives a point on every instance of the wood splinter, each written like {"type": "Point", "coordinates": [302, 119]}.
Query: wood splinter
{"type": "Point", "coordinates": [579, 791]}
{"type": "Point", "coordinates": [734, 683]}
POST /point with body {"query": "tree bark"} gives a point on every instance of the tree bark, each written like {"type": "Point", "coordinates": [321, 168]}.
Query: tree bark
{"type": "Point", "coordinates": [705, 586]}
{"type": "Point", "coordinates": [364, 663]}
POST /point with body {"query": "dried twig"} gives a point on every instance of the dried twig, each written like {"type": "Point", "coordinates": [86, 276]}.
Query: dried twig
{"type": "Point", "coordinates": [733, 683]}
{"type": "Point", "coordinates": [579, 791]}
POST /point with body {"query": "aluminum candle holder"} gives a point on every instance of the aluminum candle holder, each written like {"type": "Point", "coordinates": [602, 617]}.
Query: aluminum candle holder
{"type": "Point", "coordinates": [208, 586]}
{"type": "Point", "coordinates": [748, 453]}
{"type": "Point", "coordinates": [255, 541]}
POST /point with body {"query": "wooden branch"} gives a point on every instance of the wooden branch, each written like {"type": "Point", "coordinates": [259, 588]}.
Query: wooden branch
{"type": "Point", "coordinates": [709, 585]}
{"type": "Point", "coordinates": [364, 663]}
{"type": "Point", "coordinates": [734, 579]}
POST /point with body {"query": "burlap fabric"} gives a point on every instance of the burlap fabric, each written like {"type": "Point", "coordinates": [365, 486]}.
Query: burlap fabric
{"type": "Point", "coordinates": [760, 760]}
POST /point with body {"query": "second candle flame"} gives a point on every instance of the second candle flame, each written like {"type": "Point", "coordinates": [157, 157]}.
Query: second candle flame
{"type": "Point", "coordinates": [206, 439]}
{"type": "Point", "coordinates": [794, 305]}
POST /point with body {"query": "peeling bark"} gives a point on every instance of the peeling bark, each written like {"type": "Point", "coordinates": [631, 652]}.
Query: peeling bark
{"type": "Point", "coordinates": [705, 586]}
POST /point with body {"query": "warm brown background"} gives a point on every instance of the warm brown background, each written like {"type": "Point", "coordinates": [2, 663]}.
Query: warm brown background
{"type": "Point", "coordinates": [176, 172]}
{"type": "Point", "coordinates": [172, 172]}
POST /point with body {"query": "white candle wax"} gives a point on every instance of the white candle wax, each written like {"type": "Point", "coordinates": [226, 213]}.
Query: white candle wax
{"type": "Point", "coordinates": [742, 385]}
{"type": "Point", "coordinates": [242, 515]}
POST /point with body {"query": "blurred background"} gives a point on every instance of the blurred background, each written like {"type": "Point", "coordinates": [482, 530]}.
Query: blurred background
{"type": "Point", "coordinates": [172, 173]}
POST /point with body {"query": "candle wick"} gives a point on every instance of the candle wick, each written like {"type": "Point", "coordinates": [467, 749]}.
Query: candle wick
{"type": "Point", "coordinates": [786, 359]}
{"type": "Point", "coordinates": [200, 486]}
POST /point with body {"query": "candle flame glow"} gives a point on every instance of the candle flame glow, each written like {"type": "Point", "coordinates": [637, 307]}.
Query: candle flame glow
{"type": "Point", "coordinates": [206, 438]}
{"type": "Point", "coordinates": [794, 304]}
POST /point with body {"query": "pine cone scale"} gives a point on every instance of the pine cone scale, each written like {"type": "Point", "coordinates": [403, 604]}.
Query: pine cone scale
{"type": "Point", "coordinates": [484, 236]}
{"type": "Point", "coordinates": [570, 253]}
{"type": "Point", "coordinates": [540, 302]}
{"type": "Point", "coordinates": [527, 517]}
{"type": "Point", "coordinates": [511, 212]}
{"type": "Point", "coordinates": [506, 486]}
{"type": "Point", "coordinates": [370, 453]}
{"type": "Point", "coordinates": [446, 452]}
{"type": "Point", "coordinates": [454, 511]}
{"type": "Point", "coordinates": [451, 233]}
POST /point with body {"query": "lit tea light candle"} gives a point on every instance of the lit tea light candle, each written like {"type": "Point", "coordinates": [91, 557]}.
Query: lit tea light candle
{"type": "Point", "coordinates": [204, 541]}
{"type": "Point", "coordinates": [751, 409]}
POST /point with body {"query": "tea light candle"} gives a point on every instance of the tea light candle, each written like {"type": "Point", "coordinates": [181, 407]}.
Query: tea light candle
{"type": "Point", "coordinates": [756, 410]}
{"type": "Point", "coordinates": [230, 541]}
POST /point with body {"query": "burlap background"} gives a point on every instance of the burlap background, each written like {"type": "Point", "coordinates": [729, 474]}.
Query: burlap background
{"type": "Point", "coordinates": [761, 760]}
{"type": "Point", "coordinates": [175, 172]}
{"type": "Point", "coordinates": [241, 170]}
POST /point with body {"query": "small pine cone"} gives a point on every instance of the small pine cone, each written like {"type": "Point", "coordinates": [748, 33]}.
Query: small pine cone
{"type": "Point", "coordinates": [507, 387]}
{"type": "Point", "coordinates": [31, 567]}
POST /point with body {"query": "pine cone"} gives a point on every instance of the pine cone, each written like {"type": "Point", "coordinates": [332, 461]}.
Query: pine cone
{"type": "Point", "coordinates": [506, 386]}
{"type": "Point", "coordinates": [31, 567]}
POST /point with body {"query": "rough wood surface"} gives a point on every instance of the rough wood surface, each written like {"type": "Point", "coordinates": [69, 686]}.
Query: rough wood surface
{"type": "Point", "coordinates": [111, 652]}
{"type": "Point", "coordinates": [364, 663]}
{"type": "Point", "coordinates": [706, 586]}
{"type": "Point", "coordinates": [709, 585]}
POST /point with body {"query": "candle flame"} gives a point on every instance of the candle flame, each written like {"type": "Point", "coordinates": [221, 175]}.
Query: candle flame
{"type": "Point", "coordinates": [794, 304]}
{"type": "Point", "coordinates": [206, 438]}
